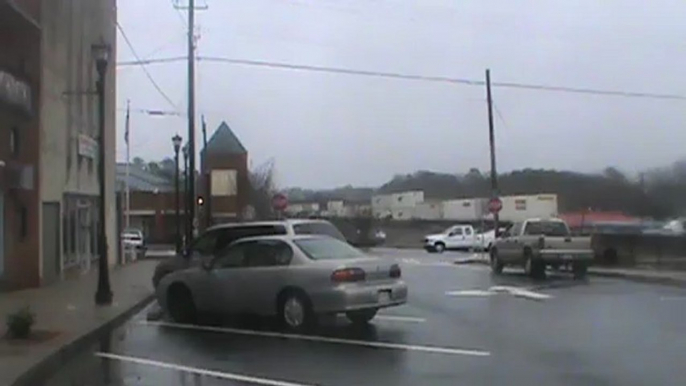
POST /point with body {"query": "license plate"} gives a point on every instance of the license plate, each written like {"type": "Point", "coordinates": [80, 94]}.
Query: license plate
{"type": "Point", "coordinates": [567, 257]}
{"type": "Point", "coordinates": [384, 296]}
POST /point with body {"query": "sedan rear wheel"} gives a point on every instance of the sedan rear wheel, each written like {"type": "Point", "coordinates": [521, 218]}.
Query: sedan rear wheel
{"type": "Point", "coordinates": [180, 304]}
{"type": "Point", "coordinates": [361, 317]}
{"type": "Point", "coordinates": [295, 311]}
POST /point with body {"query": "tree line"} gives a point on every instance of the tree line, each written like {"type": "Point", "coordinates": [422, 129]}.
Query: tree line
{"type": "Point", "coordinates": [658, 193]}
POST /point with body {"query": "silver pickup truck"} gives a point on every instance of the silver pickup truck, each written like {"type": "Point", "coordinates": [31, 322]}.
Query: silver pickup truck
{"type": "Point", "coordinates": [537, 243]}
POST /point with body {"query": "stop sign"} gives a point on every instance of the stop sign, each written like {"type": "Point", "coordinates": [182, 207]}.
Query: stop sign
{"type": "Point", "coordinates": [495, 205]}
{"type": "Point", "coordinates": [279, 201]}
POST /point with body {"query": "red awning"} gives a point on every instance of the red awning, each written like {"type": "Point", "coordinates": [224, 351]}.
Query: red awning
{"type": "Point", "coordinates": [575, 219]}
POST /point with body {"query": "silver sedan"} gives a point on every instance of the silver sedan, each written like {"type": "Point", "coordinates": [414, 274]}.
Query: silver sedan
{"type": "Point", "coordinates": [294, 278]}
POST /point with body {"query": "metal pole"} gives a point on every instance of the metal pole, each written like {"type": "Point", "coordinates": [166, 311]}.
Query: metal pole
{"type": "Point", "coordinates": [185, 191]}
{"type": "Point", "coordinates": [103, 295]}
{"type": "Point", "coordinates": [178, 199]}
{"type": "Point", "coordinates": [127, 190]}
{"type": "Point", "coordinates": [491, 140]}
{"type": "Point", "coordinates": [208, 180]}
{"type": "Point", "coordinates": [191, 119]}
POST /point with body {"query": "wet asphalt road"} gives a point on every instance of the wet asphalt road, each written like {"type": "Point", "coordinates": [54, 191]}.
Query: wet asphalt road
{"type": "Point", "coordinates": [453, 331]}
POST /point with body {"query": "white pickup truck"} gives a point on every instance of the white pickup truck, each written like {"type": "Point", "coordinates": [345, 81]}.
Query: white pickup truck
{"type": "Point", "coordinates": [537, 243]}
{"type": "Point", "coordinates": [459, 237]}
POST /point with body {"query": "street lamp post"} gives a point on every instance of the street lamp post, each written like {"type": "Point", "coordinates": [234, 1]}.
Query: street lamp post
{"type": "Point", "coordinates": [103, 295]}
{"type": "Point", "coordinates": [176, 140]}
{"type": "Point", "coordinates": [186, 179]}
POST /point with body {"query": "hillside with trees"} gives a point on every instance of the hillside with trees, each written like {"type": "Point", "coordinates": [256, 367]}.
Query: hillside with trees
{"type": "Point", "coordinates": [657, 193]}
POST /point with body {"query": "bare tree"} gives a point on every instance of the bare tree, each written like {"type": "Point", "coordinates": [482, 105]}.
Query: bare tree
{"type": "Point", "coordinates": [261, 190]}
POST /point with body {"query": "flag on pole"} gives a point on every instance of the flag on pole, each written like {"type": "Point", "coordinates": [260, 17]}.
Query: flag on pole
{"type": "Point", "coordinates": [126, 128]}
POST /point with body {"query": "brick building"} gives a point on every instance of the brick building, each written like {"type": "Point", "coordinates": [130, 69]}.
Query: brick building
{"type": "Point", "coordinates": [224, 172]}
{"type": "Point", "coordinates": [224, 175]}
{"type": "Point", "coordinates": [48, 128]}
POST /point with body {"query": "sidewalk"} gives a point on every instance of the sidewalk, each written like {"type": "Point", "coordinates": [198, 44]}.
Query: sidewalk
{"type": "Point", "coordinates": [68, 319]}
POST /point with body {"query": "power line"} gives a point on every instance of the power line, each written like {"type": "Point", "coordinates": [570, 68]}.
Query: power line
{"type": "Point", "coordinates": [500, 115]}
{"type": "Point", "coordinates": [151, 61]}
{"type": "Point", "coordinates": [135, 54]}
{"type": "Point", "coordinates": [154, 112]}
{"type": "Point", "coordinates": [629, 94]}
{"type": "Point", "coordinates": [442, 79]}
{"type": "Point", "coordinates": [175, 5]}
{"type": "Point", "coordinates": [302, 67]}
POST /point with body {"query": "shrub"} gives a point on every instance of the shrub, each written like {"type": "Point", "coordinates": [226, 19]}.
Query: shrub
{"type": "Point", "coordinates": [19, 323]}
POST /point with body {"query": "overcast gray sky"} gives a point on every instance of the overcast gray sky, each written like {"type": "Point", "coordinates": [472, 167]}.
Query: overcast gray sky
{"type": "Point", "coordinates": [326, 130]}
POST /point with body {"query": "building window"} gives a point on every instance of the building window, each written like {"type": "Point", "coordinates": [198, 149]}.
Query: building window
{"type": "Point", "coordinates": [14, 141]}
{"type": "Point", "coordinates": [520, 204]}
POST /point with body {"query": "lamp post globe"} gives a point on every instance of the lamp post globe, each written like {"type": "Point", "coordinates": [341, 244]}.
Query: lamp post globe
{"type": "Point", "coordinates": [176, 140]}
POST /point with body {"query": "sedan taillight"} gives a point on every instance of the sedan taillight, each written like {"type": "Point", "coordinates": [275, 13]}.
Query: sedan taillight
{"type": "Point", "coordinates": [348, 275]}
{"type": "Point", "coordinates": [395, 271]}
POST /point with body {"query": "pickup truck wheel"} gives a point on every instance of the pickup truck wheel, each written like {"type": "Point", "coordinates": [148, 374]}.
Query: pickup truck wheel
{"type": "Point", "coordinates": [439, 247]}
{"type": "Point", "coordinates": [579, 270]}
{"type": "Point", "coordinates": [534, 268]}
{"type": "Point", "coordinates": [496, 265]}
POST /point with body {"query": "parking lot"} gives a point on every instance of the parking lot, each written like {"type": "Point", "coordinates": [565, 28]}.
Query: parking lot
{"type": "Point", "coordinates": [461, 326]}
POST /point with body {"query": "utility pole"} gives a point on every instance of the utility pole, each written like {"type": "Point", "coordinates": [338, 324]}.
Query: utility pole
{"type": "Point", "coordinates": [127, 191]}
{"type": "Point", "coordinates": [491, 140]}
{"type": "Point", "coordinates": [191, 119]}
{"type": "Point", "coordinates": [190, 197]}
{"type": "Point", "coordinates": [208, 180]}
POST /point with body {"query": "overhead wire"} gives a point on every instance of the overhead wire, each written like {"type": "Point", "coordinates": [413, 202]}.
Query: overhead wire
{"type": "Point", "coordinates": [147, 73]}
{"type": "Point", "coordinates": [441, 79]}
{"type": "Point", "coordinates": [151, 61]}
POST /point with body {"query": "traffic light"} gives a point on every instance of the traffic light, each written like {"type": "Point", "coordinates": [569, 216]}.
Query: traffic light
{"type": "Point", "coordinates": [201, 201]}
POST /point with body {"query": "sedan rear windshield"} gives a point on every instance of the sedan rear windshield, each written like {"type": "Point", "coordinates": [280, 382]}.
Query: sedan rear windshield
{"type": "Point", "coordinates": [327, 249]}
{"type": "Point", "coordinates": [318, 228]}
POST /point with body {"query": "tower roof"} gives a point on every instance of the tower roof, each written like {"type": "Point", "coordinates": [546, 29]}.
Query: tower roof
{"type": "Point", "coordinates": [224, 142]}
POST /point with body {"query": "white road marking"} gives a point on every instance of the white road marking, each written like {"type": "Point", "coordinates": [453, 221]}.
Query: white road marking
{"type": "Point", "coordinates": [325, 339]}
{"type": "Point", "coordinates": [515, 291]}
{"type": "Point", "coordinates": [469, 293]}
{"type": "Point", "coordinates": [194, 370]}
{"type": "Point", "coordinates": [419, 263]}
{"type": "Point", "coordinates": [672, 298]}
{"type": "Point", "coordinates": [399, 318]}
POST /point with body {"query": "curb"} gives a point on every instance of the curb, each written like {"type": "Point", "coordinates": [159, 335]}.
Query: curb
{"type": "Point", "coordinates": [52, 362]}
{"type": "Point", "coordinates": [670, 281]}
